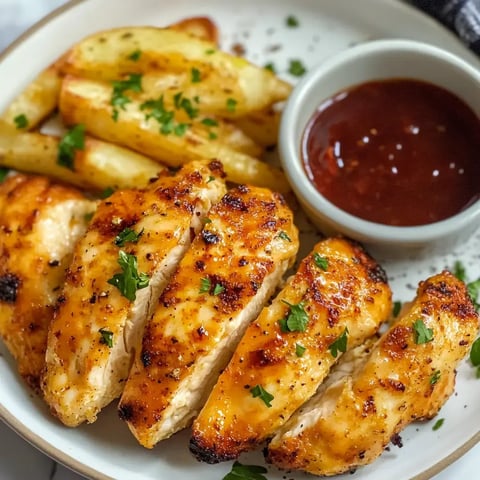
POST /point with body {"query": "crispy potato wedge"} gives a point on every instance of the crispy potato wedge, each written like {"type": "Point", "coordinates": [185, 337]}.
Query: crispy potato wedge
{"type": "Point", "coordinates": [107, 56]}
{"type": "Point", "coordinates": [37, 101]}
{"type": "Point", "coordinates": [200, 27]}
{"type": "Point", "coordinates": [88, 102]}
{"type": "Point", "coordinates": [262, 127]}
{"type": "Point", "coordinates": [98, 166]}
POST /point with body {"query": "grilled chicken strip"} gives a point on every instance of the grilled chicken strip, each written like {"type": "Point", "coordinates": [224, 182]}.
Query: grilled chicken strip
{"type": "Point", "coordinates": [133, 244]}
{"type": "Point", "coordinates": [408, 376]}
{"type": "Point", "coordinates": [40, 223]}
{"type": "Point", "coordinates": [222, 283]}
{"type": "Point", "coordinates": [338, 295]}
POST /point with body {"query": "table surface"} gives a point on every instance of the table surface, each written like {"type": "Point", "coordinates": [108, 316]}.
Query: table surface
{"type": "Point", "coordinates": [18, 459]}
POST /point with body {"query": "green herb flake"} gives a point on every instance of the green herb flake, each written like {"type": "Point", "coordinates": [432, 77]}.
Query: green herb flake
{"type": "Point", "coordinates": [180, 129]}
{"type": "Point", "coordinates": [196, 76]}
{"type": "Point", "coordinates": [183, 103]}
{"type": "Point", "coordinates": [259, 391]}
{"type": "Point", "coordinates": [245, 472]}
{"type": "Point", "coordinates": [205, 285]}
{"type": "Point", "coordinates": [473, 289]}
{"type": "Point", "coordinates": [206, 220]}
{"type": "Point", "coordinates": [21, 121]}
{"type": "Point", "coordinates": [212, 136]}
{"type": "Point", "coordinates": [210, 51]}
{"type": "Point", "coordinates": [422, 334]}
{"type": "Point", "coordinates": [127, 235]}
{"type": "Point", "coordinates": [231, 104]}
{"type": "Point", "coordinates": [211, 178]}
{"type": "Point", "coordinates": [3, 173]}
{"type": "Point", "coordinates": [291, 21]}
{"type": "Point", "coordinates": [130, 280]}
{"type": "Point", "coordinates": [320, 262]}
{"type": "Point", "coordinates": [88, 216]}
{"type": "Point", "coordinates": [340, 344]}
{"type": "Point", "coordinates": [209, 122]}
{"type": "Point", "coordinates": [284, 236]}
{"type": "Point", "coordinates": [296, 68]}
{"type": "Point", "coordinates": [107, 192]}
{"type": "Point", "coordinates": [119, 99]}
{"type": "Point", "coordinates": [435, 377]}
{"type": "Point", "coordinates": [270, 66]}
{"type": "Point", "coordinates": [475, 353]}
{"type": "Point", "coordinates": [72, 141]}
{"type": "Point", "coordinates": [438, 424]}
{"type": "Point", "coordinates": [218, 289]}
{"type": "Point", "coordinates": [397, 306]}
{"type": "Point", "coordinates": [296, 319]}
{"type": "Point", "coordinates": [478, 372]}
{"type": "Point", "coordinates": [299, 350]}
{"type": "Point", "coordinates": [135, 56]}
{"type": "Point", "coordinates": [459, 271]}
{"type": "Point", "coordinates": [106, 337]}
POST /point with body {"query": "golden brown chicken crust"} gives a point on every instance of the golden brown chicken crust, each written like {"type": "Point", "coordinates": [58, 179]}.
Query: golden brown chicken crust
{"type": "Point", "coordinates": [33, 262]}
{"type": "Point", "coordinates": [400, 382]}
{"type": "Point", "coordinates": [348, 291]}
{"type": "Point", "coordinates": [83, 372]}
{"type": "Point", "coordinates": [239, 257]}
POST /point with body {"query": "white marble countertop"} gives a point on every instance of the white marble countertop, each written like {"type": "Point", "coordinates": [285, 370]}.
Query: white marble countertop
{"type": "Point", "coordinates": [18, 459]}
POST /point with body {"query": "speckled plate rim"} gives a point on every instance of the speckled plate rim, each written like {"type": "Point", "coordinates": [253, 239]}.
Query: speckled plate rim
{"type": "Point", "coordinates": [79, 467]}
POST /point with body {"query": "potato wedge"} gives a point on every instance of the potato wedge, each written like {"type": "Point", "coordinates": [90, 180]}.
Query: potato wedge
{"type": "Point", "coordinates": [36, 102]}
{"type": "Point", "coordinates": [262, 127]}
{"type": "Point", "coordinates": [200, 27]}
{"type": "Point", "coordinates": [98, 166]}
{"type": "Point", "coordinates": [108, 56]}
{"type": "Point", "coordinates": [88, 102]}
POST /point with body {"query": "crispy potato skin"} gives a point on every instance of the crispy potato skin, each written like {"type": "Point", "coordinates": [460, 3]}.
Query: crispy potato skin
{"type": "Point", "coordinates": [40, 223]}
{"type": "Point", "coordinates": [351, 293]}
{"type": "Point", "coordinates": [193, 333]}
{"type": "Point", "coordinates": [84, 373]}
{"type": "Point", "coordinates": [393, 388]}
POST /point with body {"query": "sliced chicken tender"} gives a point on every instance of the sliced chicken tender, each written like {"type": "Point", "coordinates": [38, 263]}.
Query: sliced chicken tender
{"type": "Point", "coordinates": [133, 244]}
{"type": "Point", "coordinates": [40, 223]}
{"type": "Point", "coordinates": [337, 299]}
{"type": "Point", "coordinates": [222, 283]}
{"type": "Point", "coordinates": [408, 376]}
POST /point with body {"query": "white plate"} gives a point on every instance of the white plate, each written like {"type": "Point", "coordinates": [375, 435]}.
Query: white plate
{"type": "Point", "coordinates": [106, 449]}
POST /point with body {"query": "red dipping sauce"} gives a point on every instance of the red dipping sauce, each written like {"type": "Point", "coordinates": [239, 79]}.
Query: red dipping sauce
{"type": "Point", "coordinates": [396, 152]}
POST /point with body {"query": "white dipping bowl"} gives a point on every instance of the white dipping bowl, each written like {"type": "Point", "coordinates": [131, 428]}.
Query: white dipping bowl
{"type": "Point", "coordinates": [377, 60]}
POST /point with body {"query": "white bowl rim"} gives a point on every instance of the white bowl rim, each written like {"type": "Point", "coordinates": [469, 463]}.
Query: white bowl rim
{"type": "Point", "coordinates": [292, 164]}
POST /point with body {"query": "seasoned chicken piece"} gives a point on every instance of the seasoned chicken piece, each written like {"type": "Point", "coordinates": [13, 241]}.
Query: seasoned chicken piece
{"type": "Point", "coordinates": [40, 223]}
{"type": "Point", "coordinates": [133, 244]}
{"type": "Point", "coordinates": [408, 376]}
{"type": "Point", "coordinates": [222, 283]}
{"type": "Point", "coordinates": [337, 299]}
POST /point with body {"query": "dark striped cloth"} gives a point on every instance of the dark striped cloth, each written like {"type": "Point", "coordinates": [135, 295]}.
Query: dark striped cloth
{"type": "Point", "coordinates": [461, 16]}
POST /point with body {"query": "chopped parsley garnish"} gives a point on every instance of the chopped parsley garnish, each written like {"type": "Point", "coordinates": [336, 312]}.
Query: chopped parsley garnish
{"type": "Point", "coordinates": [245, 472]}
{"type": "Point", "coordinates": [296, 320]}
{"type": "Point", "coordinates": [259, 391]}
{"type": "Point", "coordinates": [459, 271]}
{"type": "Point", "coordinates": [106, 337]}
{"type": "Point", "coordinates": [296, 68]}
{"type": "Point", "coordinates": [218, 289]}
{"type": "Point", "coordinates": [135, 56]}
{"type": "Point", "coordinates": [270, 66]}
{"type": "Point", "coordinates": [438, 424]}
{"type": "Point", "coordinates": [164, 117]}
{"type": "Point", "coordinates": [231, 104]}
{"type": "Point", "coordinates": [320, 262]}
{"type": "Point", "coordinates": [212, 136]}
{"type": "Point", "coordinates": [127, 235]}
{"type": "Point", "coordinates": [206, 220]}
{"type": "Point", "coordinates": [183, 103]}
{"type": "Point", "coordinates": [299, 350]}
{"type": "Point", "coordinates": [88, 216]}
{"type": "Point", "coordinates": [475, 354]}
{"type": "Point", "coordinates": [205, 285]}
{"type": "Point", "coordinates": [435, 377]}
{"type": "Point", "coordinates": [107, 192]}
{"type": "Point", "coordinates": [209, 122]}
{"type": "Point", "coordinates": [3, 173]}
{"type": "Point", "coordinates": [211, 178]}
{"type": "Point", "coordinates": [210, 51]}
{"type": "Point", "coordinates": [21, 121]}
{"type": "Point", "coordinates": [119, 99]}
{"type": "Point", "coordinates": [196, 76]}
{"type": "Point", "coordinates": [397, 306]}
{"type": "Point", "coordinates": [422, 334]}
{"type": "Point", "coordinates": [291, 21]}
{"type": "Point", "coordinates": [284, 236]}
{"type": "Point", "coordinates": [72, 141]}
{"type": "Point", "coordinates": [130, 280]}
{"type": "Point", "coordinates": [473, 289]}
{"type": "Point", "coordinates": [340, 344]}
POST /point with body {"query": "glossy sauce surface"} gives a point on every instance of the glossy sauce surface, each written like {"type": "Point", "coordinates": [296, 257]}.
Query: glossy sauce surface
{"type": "Point", "coordinates": [397, 152]}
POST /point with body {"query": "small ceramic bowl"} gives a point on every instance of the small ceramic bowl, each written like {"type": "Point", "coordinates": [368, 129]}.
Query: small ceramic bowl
{"type": "Point", "coordinates": [377, 60]}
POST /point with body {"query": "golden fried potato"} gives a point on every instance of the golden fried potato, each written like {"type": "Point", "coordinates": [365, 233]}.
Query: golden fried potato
{"type": "Point", "coordinates": [88, 102]}
{"type": "Point", "coordinates": [262, 127]}
{"type": "Point", "coordinates": [36, 102]}
{"type": "Point", "coordinates": [200, 27]}
{"type": "Point", "coordinates": [98, 166]}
